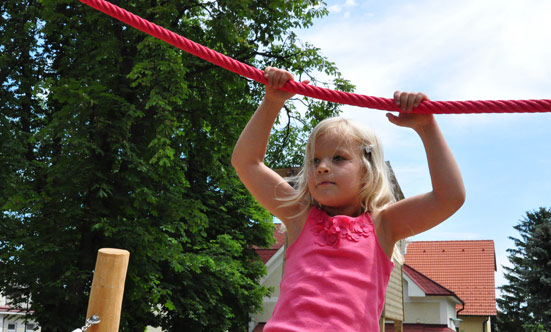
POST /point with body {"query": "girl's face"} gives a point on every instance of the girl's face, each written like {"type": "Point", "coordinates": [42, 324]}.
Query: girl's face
{"type": "Point", "coordinates": [334, 177]}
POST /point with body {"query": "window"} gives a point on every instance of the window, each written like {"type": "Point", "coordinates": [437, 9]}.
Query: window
{"type": "Point", "coordinates": [11, 327]}
{"type": "Point", "coordinates": [29, 328]}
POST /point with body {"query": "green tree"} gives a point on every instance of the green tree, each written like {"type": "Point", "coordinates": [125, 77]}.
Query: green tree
{"type": "Point", "coordinates": [111, 138]}
{"type": "Point", "coordinates": [525, 304]}
{"type": "Point", "coordinates": [534, 328]}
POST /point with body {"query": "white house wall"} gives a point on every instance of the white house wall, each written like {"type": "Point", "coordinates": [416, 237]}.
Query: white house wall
{"type": "Point", "coordinates": [16, 318]}
{"type": "Point", "coordinates": [274, 271]}
{"type": "Point", "coordinates": [422, 313]}
{"type": "Point", "coordinates": [422, 309]}
{"type": "Point", "coordinates": [411, 289]}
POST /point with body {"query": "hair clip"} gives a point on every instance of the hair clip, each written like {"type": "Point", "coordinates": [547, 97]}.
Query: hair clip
{"type": "Point", "coordinates": [369, 148]}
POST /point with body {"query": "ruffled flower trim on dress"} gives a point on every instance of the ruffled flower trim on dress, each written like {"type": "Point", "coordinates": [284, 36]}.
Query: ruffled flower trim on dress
{"type": "Point", "coordinates": [329, 231]}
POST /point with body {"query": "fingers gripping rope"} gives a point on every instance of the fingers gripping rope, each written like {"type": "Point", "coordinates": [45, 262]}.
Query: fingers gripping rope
{"type": "Point", "coordinates": [219, 59]}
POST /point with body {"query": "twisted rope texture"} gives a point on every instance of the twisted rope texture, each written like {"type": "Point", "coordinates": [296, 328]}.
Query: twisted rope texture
{"type": "Point", "coordinates": [219, 59]}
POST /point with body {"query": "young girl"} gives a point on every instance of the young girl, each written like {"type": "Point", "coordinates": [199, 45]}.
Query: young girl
{"type": "Point", "coordinates": [341, 220]}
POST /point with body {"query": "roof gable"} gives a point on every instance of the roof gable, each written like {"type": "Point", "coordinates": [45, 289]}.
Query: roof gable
{"type": "Point", "coordinates": [427, 285]}
{"type": "Point", "coordinates": [267, 253]}
{"type": "Point", "coordinates": [465, 267]}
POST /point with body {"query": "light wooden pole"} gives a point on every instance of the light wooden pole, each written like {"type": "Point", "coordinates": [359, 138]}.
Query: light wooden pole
{"type": "Point", "coordinates": [108, 289]}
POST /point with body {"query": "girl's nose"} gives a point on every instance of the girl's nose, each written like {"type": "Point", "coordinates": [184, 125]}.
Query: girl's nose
{"type": "Point", "coordinates": [322, 168]}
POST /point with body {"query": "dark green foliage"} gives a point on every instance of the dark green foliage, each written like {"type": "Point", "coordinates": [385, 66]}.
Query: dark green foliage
{"type": "Point", "coordinates": [111, 138]}
{"type": "Point", "coordinates": [534, 328]}
{"type": "Point", "coordinates": [526, 301]}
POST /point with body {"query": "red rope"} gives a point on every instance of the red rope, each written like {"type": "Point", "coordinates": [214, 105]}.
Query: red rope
{"type": "Point", "coordinates": [437, 107]}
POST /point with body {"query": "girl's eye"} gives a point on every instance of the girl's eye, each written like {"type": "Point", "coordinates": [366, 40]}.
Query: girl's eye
{"type": "Point", "coordinates": [315, 161]}
{"type": "Point", "coordinates": [338, 158]}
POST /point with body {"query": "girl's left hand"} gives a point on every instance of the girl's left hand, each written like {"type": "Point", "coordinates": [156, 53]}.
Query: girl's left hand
{"type": "Point", "coordinates": [407, 101]}
{"type": "Point", "coordinates": [276, 79]}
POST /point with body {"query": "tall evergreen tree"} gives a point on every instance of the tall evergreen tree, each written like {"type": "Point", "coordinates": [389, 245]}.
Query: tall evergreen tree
{"type": "Point", "coordinates": [526, 298]}
{"type": "Point", "coordinates": [111, 138]}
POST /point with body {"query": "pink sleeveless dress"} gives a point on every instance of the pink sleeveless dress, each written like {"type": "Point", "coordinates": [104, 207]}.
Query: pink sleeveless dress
{"type": "Point", "coordinates": [335, 277]}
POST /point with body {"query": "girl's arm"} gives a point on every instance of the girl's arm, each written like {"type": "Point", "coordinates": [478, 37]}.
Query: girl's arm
{"type": "Point", "coordinates": [419, 213]}
{"type": "Point", "coordinates": [248, 155]}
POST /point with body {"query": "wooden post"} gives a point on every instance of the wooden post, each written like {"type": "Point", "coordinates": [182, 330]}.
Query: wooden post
{"type": "Point", "coordinates": [108, 289]}
{"type": "Point", "coordinates": [398, 326]}
{"type": "Point", "coordinates": [382, 319]}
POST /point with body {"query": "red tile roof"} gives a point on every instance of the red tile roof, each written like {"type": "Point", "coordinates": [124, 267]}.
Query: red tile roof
{"type": "Point", "coordinates": [279, 235]}
{"type": "Point", "coordinates": [7, 308]}
{"type": "Point", "coordinates": [429, 286]}
{"type": "Point", "coordinates": [267, 253]}
{"type": "Point", "coordinates": [419, 328]}
{"type": "Point", "coordinates": [465, 267]}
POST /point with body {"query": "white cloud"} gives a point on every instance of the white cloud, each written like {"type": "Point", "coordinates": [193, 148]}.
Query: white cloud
{"type": "Point", "coordinates": [342, 6]}
{"type": "Point", "coordinates": [464, 50]}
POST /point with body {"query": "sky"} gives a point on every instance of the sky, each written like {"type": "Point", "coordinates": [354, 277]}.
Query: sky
{"type": "Point", "coordinates": [455, 50]}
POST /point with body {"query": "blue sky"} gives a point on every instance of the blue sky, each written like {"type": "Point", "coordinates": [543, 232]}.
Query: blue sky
{"type": "Point", "coordinates": [455, 50]}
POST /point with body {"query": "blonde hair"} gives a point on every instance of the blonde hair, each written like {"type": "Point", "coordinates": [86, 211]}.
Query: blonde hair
{"type": "Point", "coordinates": [376, 190]}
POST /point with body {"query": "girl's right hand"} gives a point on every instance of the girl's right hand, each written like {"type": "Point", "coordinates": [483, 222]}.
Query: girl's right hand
{"type": "Point", "coordinates": [277, 78]}
{"type": "Point", "coordinates": [407, 101]}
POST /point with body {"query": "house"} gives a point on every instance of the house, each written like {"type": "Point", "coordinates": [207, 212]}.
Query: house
{"type": "Point", "coordinates": [13, 320]}
{"type": "Point", "coordinates": [465, 267]}
{"type": "Point", "coordinates": [428, 306]}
